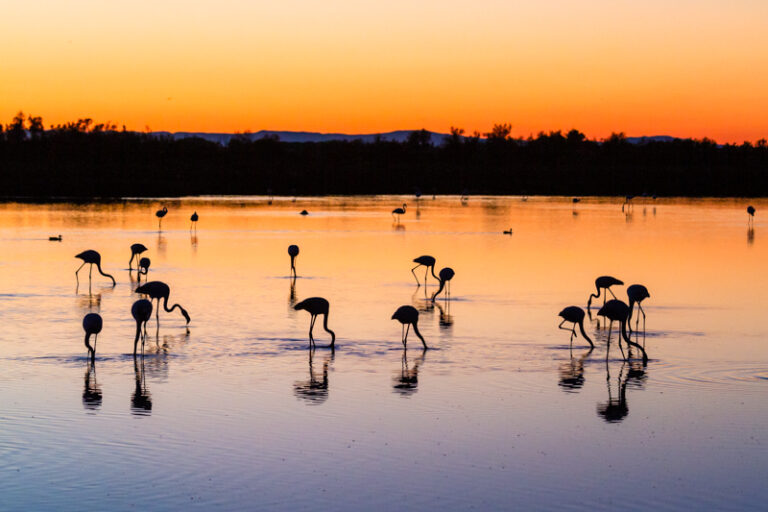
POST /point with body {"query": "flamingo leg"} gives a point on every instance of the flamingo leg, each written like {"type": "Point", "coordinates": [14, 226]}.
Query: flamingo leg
{"type": "Point", "coordinates": [426, 273]}
{"type": "Point", "coordinates": [402, 334]}
{"type": "Point", "coordinates": [90, 271]}
{"type": "Point", "coordinates": [609, 290]}
{"type": "Point", "coordinates": [608, 342]}
{"type": "Point", "coordinates": [311, 327]}
{"type": "Point", "coordinates": [415, 277]}
{"type": "Point", "coordinates": [78, 270]}
{"type": "Point", "coordinates": [407, 330]}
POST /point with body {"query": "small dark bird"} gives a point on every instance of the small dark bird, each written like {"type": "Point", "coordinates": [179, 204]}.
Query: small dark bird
{"type": "Point", "coordinates": [136, 250]}
{"type": "Point", "coordinates": [144, 265]}
{"type": "Point", "coordinates": [429, 263]}
{"type": "Point", "coordinates": [603, 282]}
{"type": "Point", "coordinates": [508, 232]}
{"type": "Point", "coordinates": [141, 311]}
{"type": "Point", "coordinates": [397, 212]}
{"type": "Point", "coordinates": [194, 218]}
{"type": "Point", "coordinates": [54, 238]}
{"type": "Point", "coordinates": [636, 293]}
{"type": "Point", "coordinates": [303, 212]}
{"type": "Point", "coordinates": [293, 251]}
{"type": "Point", "coordinates": [446, 275]}
{"type": "Point", "coordinates": [92, 324]}
{"type": "Point", "coordinates": [750, 211]}
{"type": "Point", "coordinates": [316, 306]}
{"type": "Point", "coordinates": [160, 214]}
{"type": "Point", "coordinates": [159, 290]}
{"type": "Point", "coordinates": [616, 310]}
{"type": "Point", "coordinates": [575, 315]}
{"type": "Point", "coordinates": [576, 200]}
{"type": "Point", "coordinates": [93, 258]}
{"type": "Point", "coordinates": [409, 316]}
{"type": "Point", "coordinates": [627, 202]}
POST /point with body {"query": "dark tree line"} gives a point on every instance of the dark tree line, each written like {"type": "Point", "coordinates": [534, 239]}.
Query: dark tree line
{"type": "Point", "coordinates": [87, 160]}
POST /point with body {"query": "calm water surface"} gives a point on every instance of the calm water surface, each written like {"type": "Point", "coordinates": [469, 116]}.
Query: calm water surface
{"type": "Point", "coordinates": [501, 414]}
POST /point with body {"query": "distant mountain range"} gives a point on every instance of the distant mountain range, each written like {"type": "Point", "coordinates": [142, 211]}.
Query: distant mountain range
{"type": "Point", "coordinates": [396, 136]}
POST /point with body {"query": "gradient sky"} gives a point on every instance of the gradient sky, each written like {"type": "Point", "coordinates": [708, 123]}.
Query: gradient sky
{"type": "Point", "coordinates": [678, 67]}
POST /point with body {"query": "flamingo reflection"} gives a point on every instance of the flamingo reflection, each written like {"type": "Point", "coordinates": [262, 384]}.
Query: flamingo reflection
{"type": "Point", "coordinates": [141, 398]}
{"type": "Point", "coordinates": [92, 395]}
{"type": "Point", "coordinates": [315, 390]}
{"type": "Point", "coordinates": [406, 381]}
{"type": "Point", "coordinates": [572, 372]}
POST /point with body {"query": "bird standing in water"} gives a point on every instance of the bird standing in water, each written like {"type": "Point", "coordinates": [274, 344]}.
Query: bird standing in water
{"type": "Point", "coordinates": [136, 250]}
{"type": "Point", "coordinates": [397, 212]}
{"type": "Point", "coordinates": [751, 213]}
{"type": "Point", "coordinates": [316, 306]}
{"type": "Point", "coordinates": [159, 290]}
{"type": "Point", "coordinates": [293, 251]}
{"type": "Point", "coordinates": [194, 218]}
{"type": "Point", "coordinates": [142, 312]}
{"type": "Point", "coordinates": [636, 293]}
{"type": "Point", "coordinates": [144, 265]}
{"type": "Point", "coordinates": [409, 316]}
{"type": "Point", "coordinates": [446, 275]}
{"type": "Point", "coordinates": [93, 258]}
{"type": "Point", "coordinates": [92, 324]}
{"type": "Point", "coordinates": [160, 214]}
{"type": "Point", "coordinates": [427, 261]}
{"type": "Point", "coordinates": [616, 310]}
{"type": "Point", "coordinates": [575, 315]}
{"type": "Point", "coordinates": [603, 282]}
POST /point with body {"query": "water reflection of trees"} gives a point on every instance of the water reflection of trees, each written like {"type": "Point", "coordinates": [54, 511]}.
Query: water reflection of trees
{"type": "Point", "coordinates": [314, 391]}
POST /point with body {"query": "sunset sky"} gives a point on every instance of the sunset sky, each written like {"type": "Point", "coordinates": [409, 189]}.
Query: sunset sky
{"type": "Point", "coordinates": [676, 67]}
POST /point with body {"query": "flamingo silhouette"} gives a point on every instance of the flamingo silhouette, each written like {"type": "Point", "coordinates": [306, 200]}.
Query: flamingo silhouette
{"type": "Point", "coordinates": [144, 264]}
{"type": "Point", "coordinates": [616, 310]}
{"type": "Point", "coordinates": [194, 218]}
{"type": "Point", "coordinates": [446, 275]}
{"type": "Point", "coordinates": [406, 381]}
{"type": "Point", "coordinates": [92, 396]}
{"type": "Point", "coordinates": [160, 214]}
{"type": "Point", "coordinates": [397, 212]}
{"type": "Point", "coordinates": [136, 250]}
{"type": "Point", "coordinates": [427, 261]}
{"type": "Point", "coordinates": [616, 408]}
{"type": "Point", "coordinates": [142, 312]}
{"type": "Point", "coordinates": [575, 315]}
{"type": "Point", "coordinates": [159, 290]}
{"type": "Point", "coordinates": [603, 282]}
{"type": "Point", "coordinates": [141, 399]}
{"type": "Point", "coordinates": [293, 251]}
{"type": "Point", "coordinates": [93, 258]}
{"type": "Point", "coordinates": [636, 293]}
{"type": "Point", "coordinates": [627, 202]}
{"type": "Point", "coordinates": [508, 231]}
{"type": "Point", "coordinates": [409, 316]}
{"type": "Point", "coordinates": [316, 306]}
{"type": "Point", "coordinates": [92, 324]}
{"type": "Point", "coordinates": [751, 213]}
{"type": "Point", "coordinates": [314, 390]}
{"type": "Point", "coordinates": [572, 372]}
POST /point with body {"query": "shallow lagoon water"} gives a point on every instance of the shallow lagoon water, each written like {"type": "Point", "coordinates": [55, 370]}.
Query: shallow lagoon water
{"type": "Point", "coordinates": [500, 414]}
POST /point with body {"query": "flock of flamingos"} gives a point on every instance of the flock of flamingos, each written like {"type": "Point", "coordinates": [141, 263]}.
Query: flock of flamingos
{"type": "Point", "coordinates": [613, 310]}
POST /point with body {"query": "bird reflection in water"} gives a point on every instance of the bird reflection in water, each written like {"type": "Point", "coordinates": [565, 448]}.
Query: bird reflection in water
{"type": "Point", "coordinates": [616, 408]}
{"type": "Point", "coordinates": [446, 319]}
{"type": "Point", "coordinates": [406, 381]}
{"type": "Point", "coordinates": [572, 372]}
{"type": "Point", "coordinates": [92, 396]}
{"type": "Point", "coordinates": [750, 235]}
{"type": "Point", "coordinates": [141, 399]}
{"type": "Point", "coordinates": [292, 293]}
{"type": "Point", "coordinates": [315, 390]}
{"type": "Point", "coordinates": [162, 243]}
{"type": "Point", "coordinates": [193, 241]}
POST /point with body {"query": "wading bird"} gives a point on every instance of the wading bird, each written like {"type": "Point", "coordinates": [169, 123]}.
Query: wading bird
{"type": "Point", "coordinates": [627, 202]}
{"type": "Point", "coordinates": [429, 263]}
{"type": "Point", "coordinates": [194, 218]}
{"type": "Point", "coordinates": [159, 290]}
{"type": "Point", "coordinates": [92, 258]}
{"type": "Point", "coordinates": [144, 265]}
{"type": "Point", "coordinates": [303, 212]}
{"type": "Point", "coordinates": [54, 238]}
{"type": "Point", "coordinates": [575, 315]}
{"type": "Point", "coordinates": [293, 251]}
{"type": "Point", "coordinates": [136, 250]}
{"type": "Point", "coordinates": [92, 324]}
{"type": "Point", "coordinates": [142, 312]}
{"type": "Point", "coordinates": [616, 310]}
{"type": "Point", "coordinates": [446, 275]}
{"type": "Point", "coordinates": [397, 212]}
{"type": "Point", "coordinates": [750, 212]}
{"type": "Point", "coordinates": [636, 293]}
{"type": "Point", "coordinates": [508, 232]}
{"type": "Point", "coordinates": [160, 214]}
{"type": "Point", "coordinates": [603, 282]}
{"type": "Point", "coordinates": [409, 316]}
{"type": "Point", "coordinates": [316, 306]}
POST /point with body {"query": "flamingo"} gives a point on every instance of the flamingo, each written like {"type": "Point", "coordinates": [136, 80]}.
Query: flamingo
{"type": "Point", "coordinates": [160, 214]}
{"type": "Point", "coordinates": [408, 315]}
{"type": "Point", "coordinates": [316, 306]}
{"type": "Point", "coordinates": [616, 310]}
{"type": "Point", "coordinates": [575, 315]}
{"type": "Point", "coordinates": [427, 261]}
{"type": "Point", "coordinates": [293, 251]}
{"type": "Point", "coordinates": [627, 202]}
{"type": "Point", "coordinates": [397, 212]}
{"type": "Point", "coordinates": [92, 324]}
{"type": "Point", "coordinates": [142, 312]}
{"type": "Point", "coordinates": [144, 265]}
{"type": "Point", "coordinates": [136, 250]}
{"type": "Point", "coordinates": [159, 290]}
{"type": "Point", "coordinates": [194, 218]}
{"type": "Point", "coordinates": [446, 275]}
{"type": "Point", "coordinates": [636, 293]}
{"type": "Point", "coordinates": [603, 282]}
{"type": "Point", "coordinates": [93, 258]}
{"type": "Point", "coordinates": [750, 212]}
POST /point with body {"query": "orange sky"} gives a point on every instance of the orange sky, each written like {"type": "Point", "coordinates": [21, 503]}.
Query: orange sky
{"type": "Point", "coordinates": [684, 67]}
